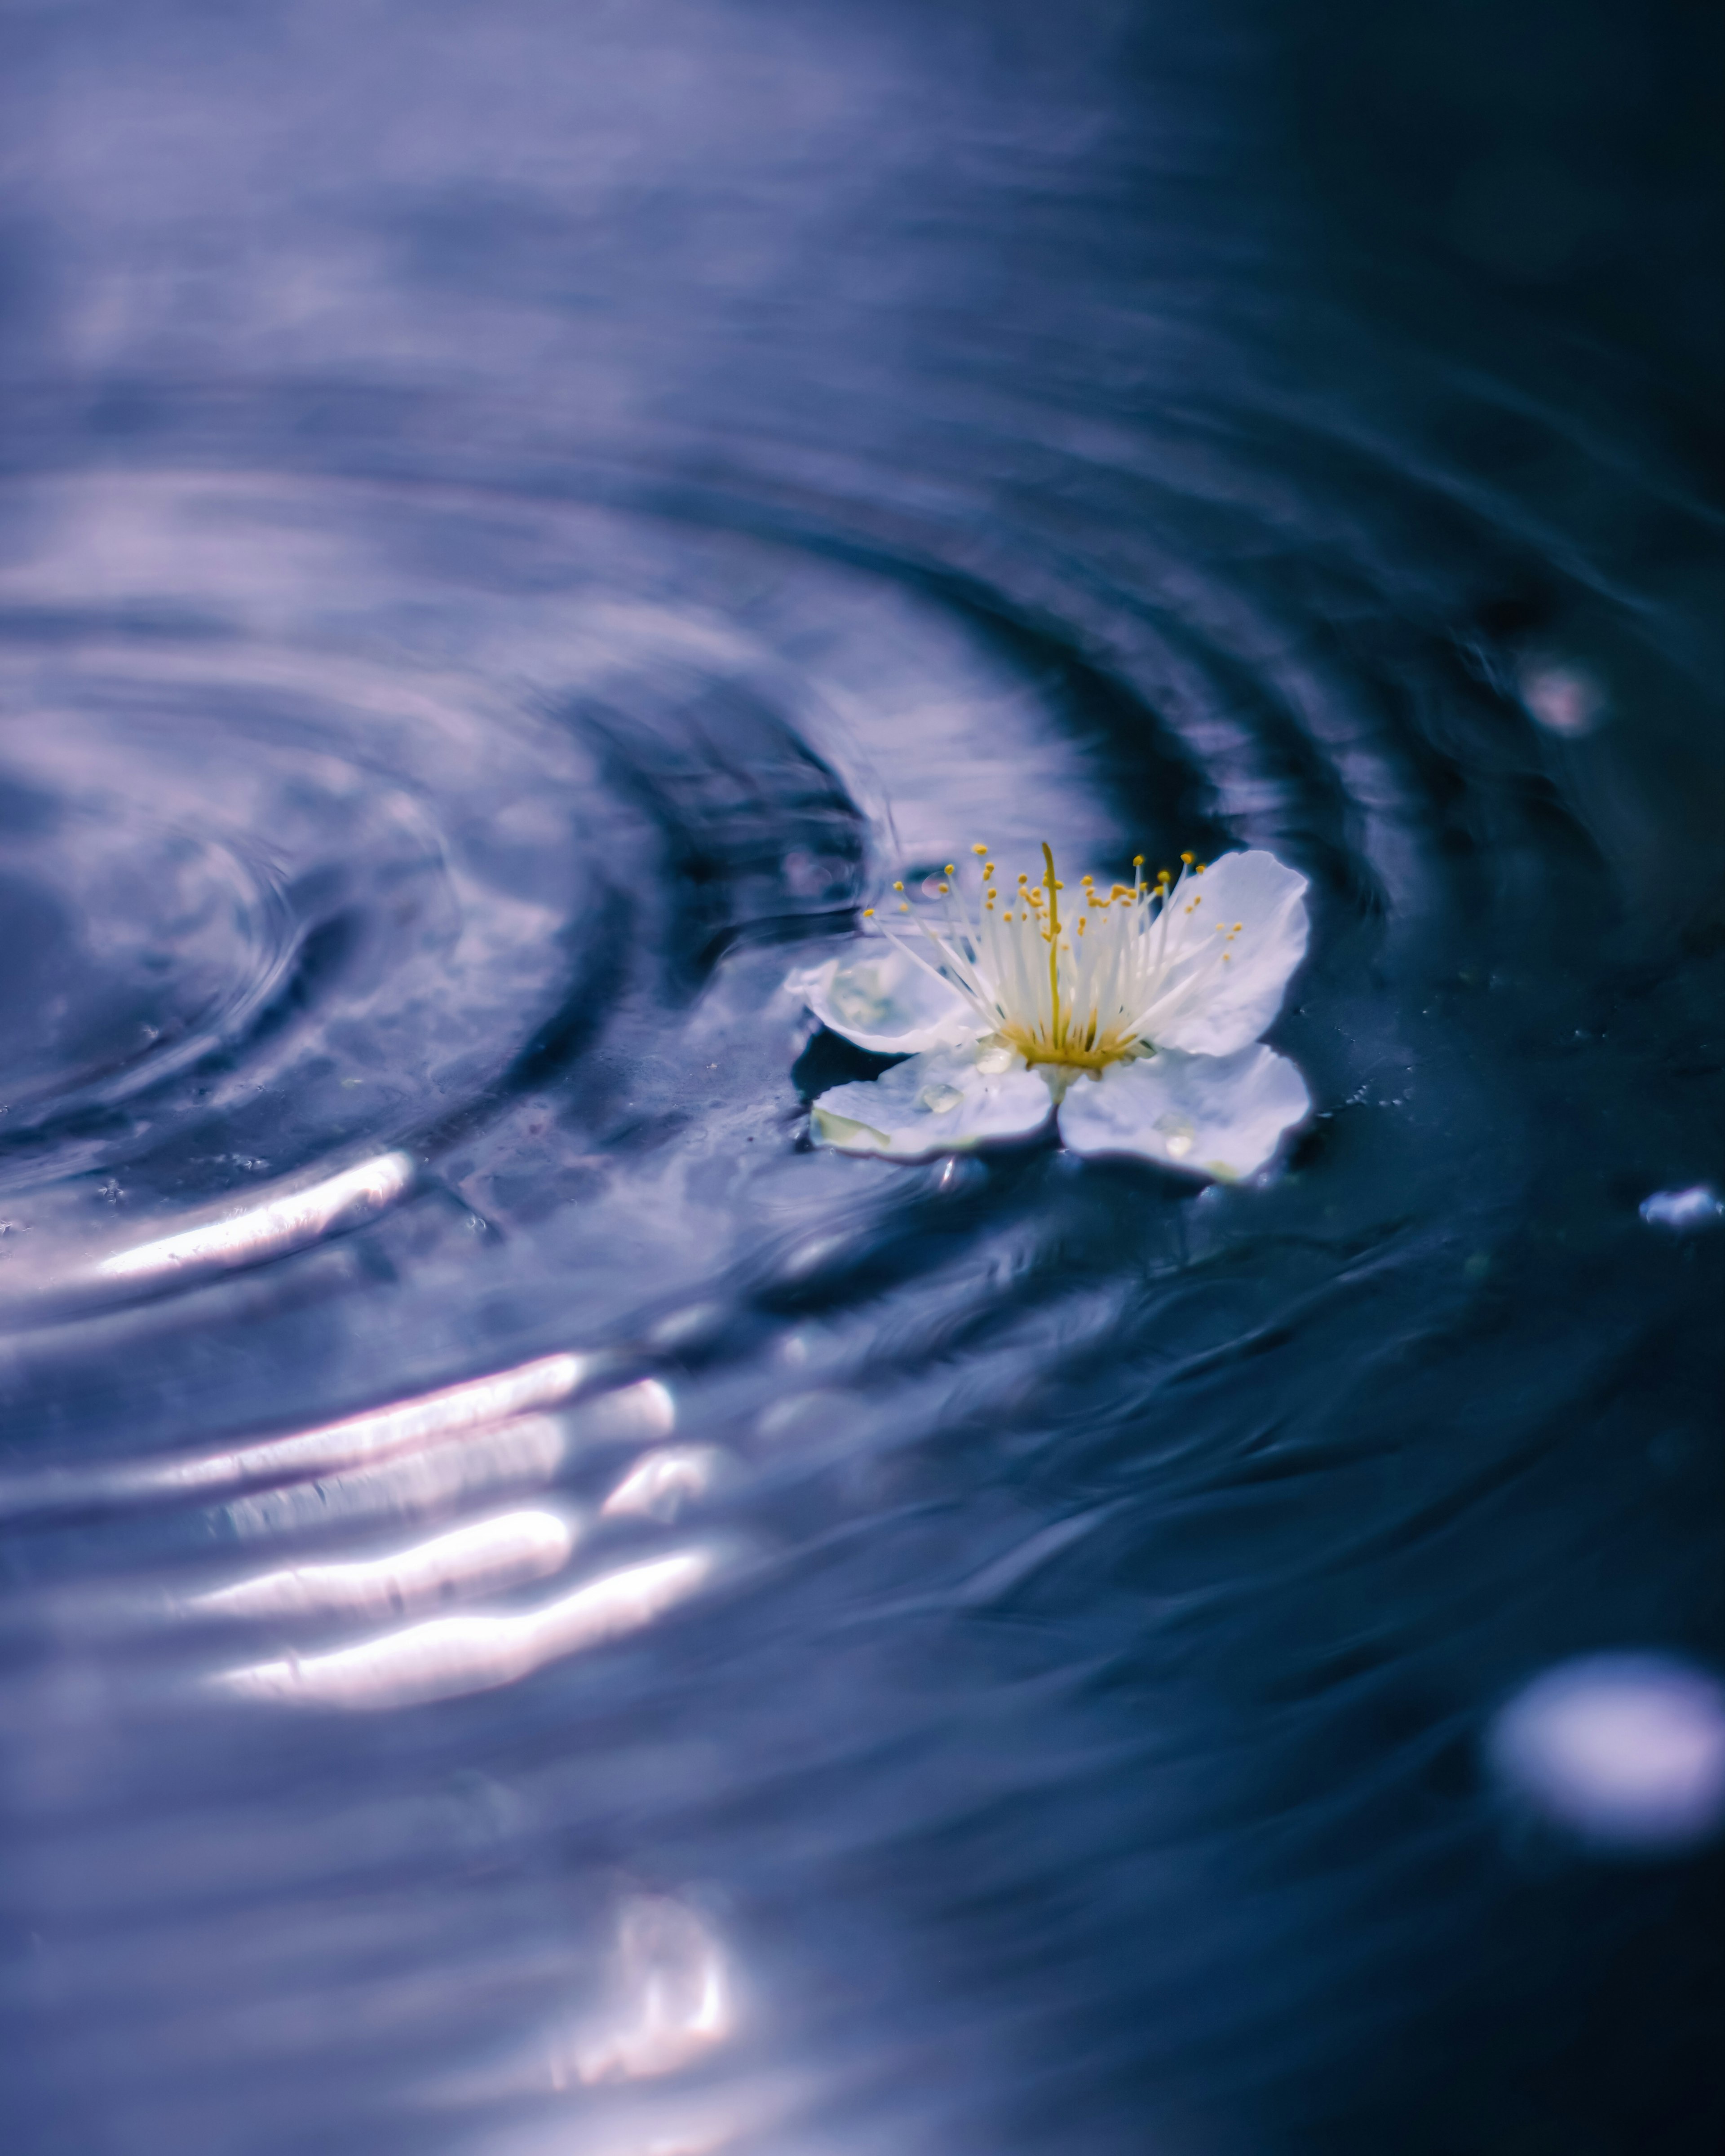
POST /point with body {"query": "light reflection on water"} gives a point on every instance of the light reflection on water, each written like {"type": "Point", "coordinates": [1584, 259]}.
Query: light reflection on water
{"type": "Point", "coordinates": [444, 1657]}
{"type": "Point", "coordinates": [539, 1615]}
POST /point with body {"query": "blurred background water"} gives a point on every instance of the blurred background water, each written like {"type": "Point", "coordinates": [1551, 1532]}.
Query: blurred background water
{"type": "Point", "coordinates": [539, 1615]}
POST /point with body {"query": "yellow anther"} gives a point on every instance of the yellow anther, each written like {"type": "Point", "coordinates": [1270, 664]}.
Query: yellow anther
{"type": "Point", "coordinates": [1080, 924]}
{"type": "Point", "coordinates": [1187, 859]}
{"type": "Point", "coordinates": [898, 887]}
{"type": "Point", "coordinates": [1023, 878]}
{"type": "Point", "coordinates": [979, 851]}
{"type": "Point", "coordinates": [868, 913]}
{"type": "Point", "coordinates": [905, 907]}
{"type": "Point", "coordinates": [1200, 868]}
{"type": "Point", "coordinates": [1138, 860]}
{"type": "Point", "coordinates": [1238, 925]}
{"type": "Point", "coordinates": [951, 870]}
{"type": "Point", "coordinates": [943, 887]}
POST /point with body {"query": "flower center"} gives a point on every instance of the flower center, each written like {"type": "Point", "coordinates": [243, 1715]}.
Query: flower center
{"type": "Point", "coordinates": [1079, 985]}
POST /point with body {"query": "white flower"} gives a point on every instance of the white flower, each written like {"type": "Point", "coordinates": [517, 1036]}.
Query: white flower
{"type": "Point", "coordinates": [1133, 1015]}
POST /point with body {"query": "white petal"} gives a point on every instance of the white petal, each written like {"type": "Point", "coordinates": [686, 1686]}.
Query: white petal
{"type": "Point", "coordinates": [878, 997]}
{"type": "Point", "coordinates": [1219, 1115]}
{"type": "Point", "coordinates": [948, 1100]}
{"type": "Point", "coordinates": [1231, 1003]}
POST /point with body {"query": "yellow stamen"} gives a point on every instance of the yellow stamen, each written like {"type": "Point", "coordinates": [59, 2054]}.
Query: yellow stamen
{"type": "Point", "coordinates": [1119, 982]}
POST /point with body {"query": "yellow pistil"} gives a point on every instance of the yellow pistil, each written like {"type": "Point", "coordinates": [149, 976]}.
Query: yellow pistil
{"type": "Point", "coordinates": [1054, 930]}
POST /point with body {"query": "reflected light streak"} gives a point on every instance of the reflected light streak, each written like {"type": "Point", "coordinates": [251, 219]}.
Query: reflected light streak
{"type": "Point", "coordinates": [633, 1415]}
{"type": "Point", "coordinates": [331, 1447]}
{"type": "Point", "coordinates": [286, 1222]}
{"type": "Point", "coordinates": [447, 1656]}
{"type": "Point", "coordinates": [403, 1427]}
{"type": "Point", "coordinates": [527, 1450]}
{"type": "Point", "coordinates": [485, 1556]}
{"type": "Point", "coordinates": [661, 1484]}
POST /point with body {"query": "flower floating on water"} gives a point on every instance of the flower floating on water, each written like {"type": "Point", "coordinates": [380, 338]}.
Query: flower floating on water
{"type": "Point", "coordinates": [1132, 1014]}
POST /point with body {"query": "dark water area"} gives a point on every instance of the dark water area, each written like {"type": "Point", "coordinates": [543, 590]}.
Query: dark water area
{"type": "Point", "coordinates": [544, 1613]}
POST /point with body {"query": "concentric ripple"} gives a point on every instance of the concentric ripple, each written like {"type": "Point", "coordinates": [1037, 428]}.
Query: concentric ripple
{"type": "Point", "coordinates": [540, 1615]}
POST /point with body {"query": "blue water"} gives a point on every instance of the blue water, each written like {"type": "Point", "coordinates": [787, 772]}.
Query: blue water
{"type": "Point", "coordinates": [540, 1613]}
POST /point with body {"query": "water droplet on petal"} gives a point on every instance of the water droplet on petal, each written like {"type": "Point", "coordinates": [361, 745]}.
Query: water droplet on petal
{"type": "Point", "coordinates": [1177, 1133]}
{"type": "Point", "coordinates": [938, 1099]}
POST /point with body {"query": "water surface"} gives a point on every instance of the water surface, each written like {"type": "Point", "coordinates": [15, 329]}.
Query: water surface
{"type": "Point", "coordinates": [542, 1614]}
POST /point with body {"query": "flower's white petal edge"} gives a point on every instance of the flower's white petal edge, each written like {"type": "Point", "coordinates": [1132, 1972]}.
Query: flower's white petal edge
{"type": "Point", "coordinates": [1218, 1116]}
{"type": "Point", "coordinates": [1237, 1000]}
{"type": "Point", "coordinates": [882, 999]}
{"type": "Point", "coordinates": [942, 1101]}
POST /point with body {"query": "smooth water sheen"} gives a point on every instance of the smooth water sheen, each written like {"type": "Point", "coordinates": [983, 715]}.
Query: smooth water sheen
{"type": "Point", "coordinates": [542, 1615]}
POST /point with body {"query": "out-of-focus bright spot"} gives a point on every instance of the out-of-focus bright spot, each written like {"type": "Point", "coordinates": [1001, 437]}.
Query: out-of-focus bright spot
{"type": "Point", "coordinates": [661, 1485]}
{"type": "Point", "coordinates": [1622, 1750]}
{"type": "Point", "coordinates": [447, 1656]}
{"type": "Point", "coordinates": [671, 1999]}
{"type": "Point", "coordinates": [1700, 1206]}
{"type": "Point", "coordinates": [1562, 698]}
{"type": "Point", "coordinates": [285, 1222]}
{"type": "Point", "coordinates": [482, 1558]}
